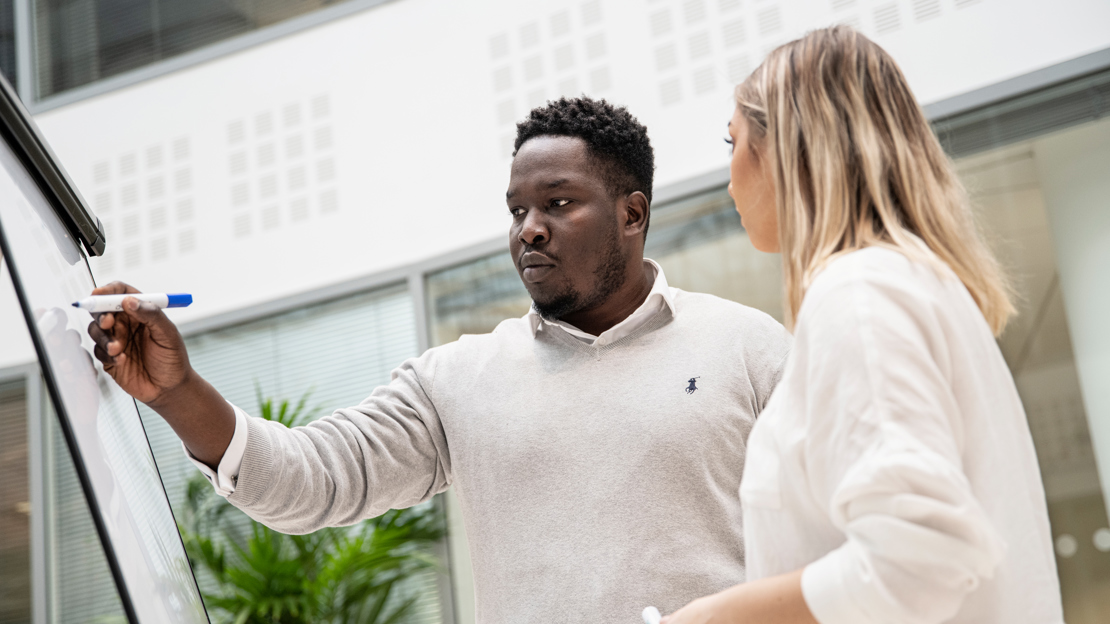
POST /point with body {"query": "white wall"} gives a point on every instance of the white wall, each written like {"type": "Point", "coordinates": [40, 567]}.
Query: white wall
{"type": "Point", "coordinates": [420, 99]}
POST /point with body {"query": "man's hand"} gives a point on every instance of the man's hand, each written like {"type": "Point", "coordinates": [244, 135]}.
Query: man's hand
{"type": "Point", "coordinates": [143, 351]}
{"type": "Point", "coordinates": [140, 347]}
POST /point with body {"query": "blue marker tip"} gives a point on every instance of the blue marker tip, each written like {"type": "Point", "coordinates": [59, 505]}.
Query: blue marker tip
{"type": "Point", "coordinates": [179, 300]}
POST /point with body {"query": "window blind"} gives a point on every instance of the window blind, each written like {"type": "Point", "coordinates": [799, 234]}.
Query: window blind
{"type": "Point", "coordinates": [81, 588]}
{"type": "Point", "coordinates": [15, 526]}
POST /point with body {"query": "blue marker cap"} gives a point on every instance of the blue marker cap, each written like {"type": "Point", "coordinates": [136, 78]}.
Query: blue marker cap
{"type": "Point", "coordinates": [179, 300]}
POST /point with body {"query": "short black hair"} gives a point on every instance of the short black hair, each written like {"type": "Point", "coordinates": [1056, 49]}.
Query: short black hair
{"type": "Point", "coordinates": [612, 135]}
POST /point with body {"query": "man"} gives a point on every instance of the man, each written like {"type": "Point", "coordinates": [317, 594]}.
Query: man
{"type": "Point", "coordinates": [596, 444]}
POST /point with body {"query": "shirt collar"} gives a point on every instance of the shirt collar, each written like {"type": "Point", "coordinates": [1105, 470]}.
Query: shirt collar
{"type": "Point", "coordinates": [660, 290]}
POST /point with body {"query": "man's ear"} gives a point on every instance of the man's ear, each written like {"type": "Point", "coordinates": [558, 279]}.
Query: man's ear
{"type": "Point", "coordinates": [636, 214]}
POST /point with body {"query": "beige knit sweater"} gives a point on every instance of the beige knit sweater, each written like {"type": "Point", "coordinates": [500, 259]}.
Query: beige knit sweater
{"type": "Point", "coordinates": [594, 481]}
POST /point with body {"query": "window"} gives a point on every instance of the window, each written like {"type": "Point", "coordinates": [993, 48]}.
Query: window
{"type": "Point", "coordinates": [78, 42]}
{"type": "Point", "coordinates": [473, 298]}
{"type": "Point", "coordinates": [702, 247]}
{"type": "Point", "coordinates": [1036, 169]}
{"type": "Point", "coordinates": [80, 586]}
{"type": "Point", "coordinates": [7, 40]}
{"type": "Point", "coordinates": [15, 505]}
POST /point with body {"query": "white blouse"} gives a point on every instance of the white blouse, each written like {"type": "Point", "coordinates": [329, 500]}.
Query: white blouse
{"type": "Point", "coordinates": [894, 461]}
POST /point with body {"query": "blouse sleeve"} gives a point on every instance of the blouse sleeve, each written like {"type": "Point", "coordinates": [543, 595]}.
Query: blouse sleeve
{"type": "Point", "coordinates": [883, 454]}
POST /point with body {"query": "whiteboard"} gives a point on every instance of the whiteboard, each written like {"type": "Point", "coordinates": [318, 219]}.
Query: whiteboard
{"type": "Point", "coordinates": [100, 422]}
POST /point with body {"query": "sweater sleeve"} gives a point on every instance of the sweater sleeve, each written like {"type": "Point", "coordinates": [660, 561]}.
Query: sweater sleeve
{"type": "Point", "coordinates": [388, 452]}
{"type": "Point", "coordinates": [883, 455]}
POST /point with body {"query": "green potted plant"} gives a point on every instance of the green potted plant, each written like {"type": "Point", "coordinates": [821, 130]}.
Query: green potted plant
{"type": "Point", "coordinates": [348, 575]}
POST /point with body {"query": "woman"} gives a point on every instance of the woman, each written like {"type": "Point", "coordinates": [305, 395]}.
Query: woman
{"type": "Point", "coordinates": [891, 477]}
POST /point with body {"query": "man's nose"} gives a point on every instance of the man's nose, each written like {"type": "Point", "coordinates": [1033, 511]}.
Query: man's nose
{"type": "Point", "coordinates": [534, 230]}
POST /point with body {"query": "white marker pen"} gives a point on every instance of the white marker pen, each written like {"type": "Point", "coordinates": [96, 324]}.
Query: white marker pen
{"type": "Point", "coordinates": [651, 615]}
{"type": "Point", "coordinates": [114, 303]}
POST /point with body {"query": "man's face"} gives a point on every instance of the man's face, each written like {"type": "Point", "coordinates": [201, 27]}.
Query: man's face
{"type": "Point", "coordinates": [566, 237]}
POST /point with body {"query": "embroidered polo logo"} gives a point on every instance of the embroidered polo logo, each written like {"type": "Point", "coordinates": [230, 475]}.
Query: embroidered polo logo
{"type": "Point", "coordinates": [692, 388]}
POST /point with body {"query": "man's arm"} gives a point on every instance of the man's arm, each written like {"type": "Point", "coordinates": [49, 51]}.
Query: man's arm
{"type": "Point", "coordinates": [143, 351]}
{"type": "Point", "coordinates": [390, 451]}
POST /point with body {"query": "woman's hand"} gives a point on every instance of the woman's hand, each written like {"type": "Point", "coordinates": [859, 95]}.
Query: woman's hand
{"type": "Point", "coordinates": [140, 347]}
{"type": "Point", "coordinates": [774, 600]}
{"type": "Point", "coordinates": [707, 610]}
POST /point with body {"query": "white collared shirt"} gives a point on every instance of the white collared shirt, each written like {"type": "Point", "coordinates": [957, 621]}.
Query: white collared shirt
{"type": "Point", "coordinates": [661, 296]}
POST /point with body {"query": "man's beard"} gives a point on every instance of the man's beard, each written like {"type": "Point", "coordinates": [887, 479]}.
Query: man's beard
{"type": "Point", "coordinates": [610, 277]}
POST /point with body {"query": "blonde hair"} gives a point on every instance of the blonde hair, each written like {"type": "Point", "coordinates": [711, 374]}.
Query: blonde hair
{"type": "Point", "coordinates": [855, 164]}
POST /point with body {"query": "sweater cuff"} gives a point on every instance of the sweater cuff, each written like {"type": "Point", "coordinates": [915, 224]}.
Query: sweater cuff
{"type": "Point", "coordinates": [256, 474]}
{"type": "Point", "coordinates": [826, 588]}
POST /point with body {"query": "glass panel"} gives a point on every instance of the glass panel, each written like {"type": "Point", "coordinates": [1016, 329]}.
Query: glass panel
{"type": "Point", "coordinates": [15, 505]}
{"type": "Point", "coordinates": [473, 298]}
{"type": "Point", "coordinates": [702, 247]}
{"type": "Point", "coordinates": [1038, 169]}
{"type": "Point", "coordinates": [7, 40]}
{"type": "Point", "coordinates": [111, 448]}
{"type": "Point", "coordinates": [82, 41]}
{"type": "Point", "coordinates": [1048, 110]}
{"type": "Point", "coordinates": [80, 587]}
{"type": "Point", "coordinates": [288, 354]}
{"type": "Point", "coordinates": [1027, 200]}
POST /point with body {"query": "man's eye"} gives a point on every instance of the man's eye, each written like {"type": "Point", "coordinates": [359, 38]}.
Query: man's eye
{"type": "Point", "coordinates": [516, 212]}
{"type": "Point", "coordinates": [559, 203]}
